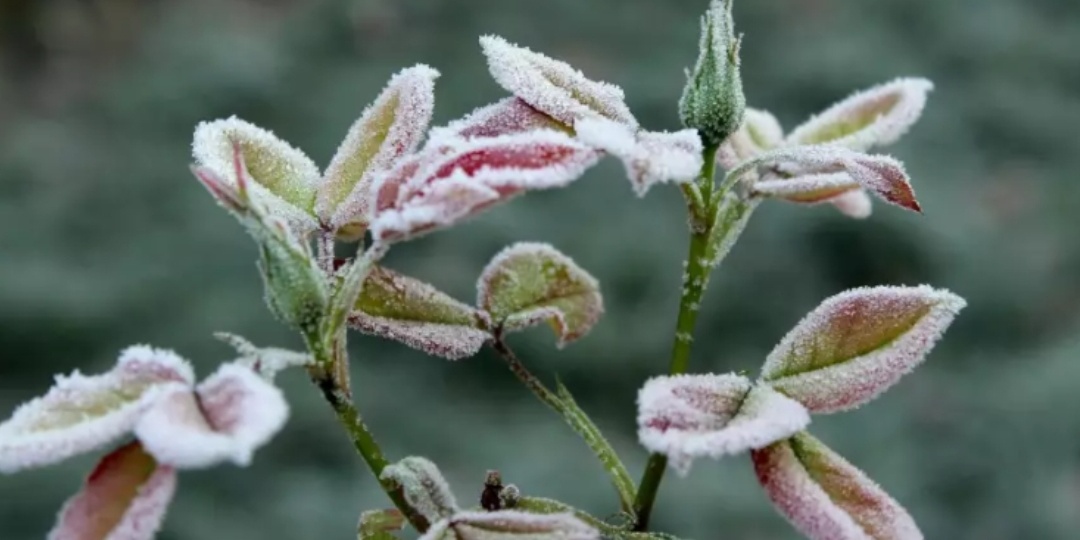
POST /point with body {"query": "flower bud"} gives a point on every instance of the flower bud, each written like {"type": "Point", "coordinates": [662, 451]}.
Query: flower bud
{"type": "Point", "coordinates": [713, 101]}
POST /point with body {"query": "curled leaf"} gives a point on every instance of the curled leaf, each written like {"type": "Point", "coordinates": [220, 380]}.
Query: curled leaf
{"type": "Point", "coordinates": [882, 175]}
{"type": "Point", "coordinates": [690, 416]}
{"type": "Point", "coordinates": [854, 204]}
{"type": "Point", "coordinates": [83, 413]}
{"type": "Point", "coordinates": [857, 344]}
{"type": "Point", "coordinates": [510, 525]}
{"type": "Point", "coordinates": [389, 129]}
{"type": "Point", "coordinates": [446, 185]}
{"type": "Point", "coordinates": [553, 87]}
{"type": "Point", "coordinates": [124, 498]}
{"type": "Point", "coordinates": [873, 117]}
{"type": "Point", "coordinates": [827, 498]}
{"type": "Point", "coordinates": [285, 179]}
{"type": "Point", "coordinates": [808, 189]}
{"type": "Point", "coordinates": [529, 283]}
{"type": "Point", "coordinates": [408, 310]}
{"type": "Point", "coordinates": [508, 116]}
{"type": "Point", "coordinates": [228, 416]}
{"type": "Point", "coordinates": [649, 157]}
{"type": "Point", "coordinates": [759, 131]}
{"type": "Point", "coordinates": [424, 487]}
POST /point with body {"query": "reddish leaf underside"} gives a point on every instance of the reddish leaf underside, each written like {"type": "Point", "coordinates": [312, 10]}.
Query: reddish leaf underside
{"type": "Point", "coordinates": [124, 498]}
{"type": "Point", "coordinates": [827, 498]}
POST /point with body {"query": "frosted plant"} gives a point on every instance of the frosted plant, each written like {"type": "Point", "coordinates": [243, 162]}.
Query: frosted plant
{"type": "Point", "coordinates": [150, 399]}
{"type": "Point", "coordinates": [394, 178]}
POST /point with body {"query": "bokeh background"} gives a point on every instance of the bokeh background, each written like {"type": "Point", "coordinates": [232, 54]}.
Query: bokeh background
{"type": "Point", "coordinates": [105, 241]}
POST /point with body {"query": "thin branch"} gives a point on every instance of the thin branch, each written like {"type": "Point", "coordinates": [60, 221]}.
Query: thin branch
{"type": "Point", "coordinates": [564, 404]}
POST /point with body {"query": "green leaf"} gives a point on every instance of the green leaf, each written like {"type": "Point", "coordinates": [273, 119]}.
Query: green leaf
{"type": "Point", "coordinates": [285, 179]}
{"type": "Point", "coordinates": [530, 283]}
{"type": "Point", "coordinates": [857, 344]}
{"type": "Point", "coordinates": [424, 487]}
{"type": "Point", "coordinates": [379, 524]}
{"type": "Point", "coordinates": [407, 310]}
{"type": "Point", "coordinates": [584, 426]}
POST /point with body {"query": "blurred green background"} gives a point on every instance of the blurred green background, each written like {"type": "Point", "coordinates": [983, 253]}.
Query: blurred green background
{"type": "Point", "coordinates": [106, 240]}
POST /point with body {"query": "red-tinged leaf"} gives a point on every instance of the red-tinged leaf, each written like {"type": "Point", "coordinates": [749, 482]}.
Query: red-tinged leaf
{"type": "Point", "coordinates": [125, 498]}
{"type": "Point", "coordinates": [389, 129]}
{"type": "Point", "coordinates": [408, 310]}
{"type": "Point", "coordinates": [553, 87]}
{"type": "Point", "coordinates": [83, 413]}
{"type": "Point", "coordinates": [689, 416]}
{"type": "Point", "coordinates": [857, 344]}
{"type": "Point", "coordinates": [873, 117]}
{"type": "Point", "coordinates": [529, 283]}
{"type": "Point", "coordinates": [759, 132]}
{"type": "Point", "coordinates": [827, 498]}
{"type": "Point", "coordinates": [451, 184]}
{"type": "Point", "coordinates": [231, 414]}
{"type": "Point", "coordinates": [807, 189]}
{"type": "Point", "coordinates": [285, 179]}
{"type": "Point", "coordinates": [224, 193]}
{"type": "Point", "coordinates": [510, 525]}
{"type": "Point", "coordinates": [882, 175]}
{"type": "Point", "coordinates": [649, 157]}
{"type": "Point", "coordinates": [505, 117]}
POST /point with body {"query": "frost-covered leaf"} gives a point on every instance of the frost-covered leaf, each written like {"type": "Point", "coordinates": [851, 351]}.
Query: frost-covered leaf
{"type": "Point", "coordinates": [124, 498]}
{"type": "Point", "coordinates": [408, 310]}
{"type": "Point", "coordinates": [730, 219]}
{"type": "Point", "coordinates": [809, 188]}
{"type": "Point", "coordinates": [690, 416]}
{"type": "Point", "coordinates": [712, 101]}
{"type": "Point", "coordinates": [854, 204]}
{"type": "Point", "coordinates": [649, 157]}
{"type": "Point", "coordinates": [508, 116]}
{"type": "Point", "coordinates": [389, 128]}
{"type": "Point", "coordinates": [760, 131]}
{"type": "Point", "coordinates": [827, 498]}
{"type": "Point", "coordinates": [857, 344]}
{"type": "Point", "coordinates": [228, 416]}
{"type": "Point", "coordinates": [285, 178]}
{"type": "Point", "coordinates": [873, 117]}
{"type": "Point", "coordinates": [511, 525]}
{"type": "Point", "coordinates": [553, 87]}
{"type": "Point", "coordinates": [380, 524]}
{"type": "Point", "coordinates": [882, 175]}
{"type": "Point", "coordinates": [445, 185]}
{"type": "Point", "coordinates": [529, 283]}
{"type": "Point", "coordinates": [424, 487]}
{"type": "Point", "coordinates": [266, 361]}
{"type": "Point", "coordinates": [83, 413]}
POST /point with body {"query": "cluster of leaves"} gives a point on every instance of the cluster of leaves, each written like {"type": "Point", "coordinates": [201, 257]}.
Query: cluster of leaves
{"type": "Point", "coordinates": [395, 178]}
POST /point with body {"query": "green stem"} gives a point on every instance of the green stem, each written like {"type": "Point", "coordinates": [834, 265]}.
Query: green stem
{"type": "Point", "coordinates": [695, 279]}
{"type": "Point", "coordinates": [563, 404]}
{"type": "Point", "coordinates": [361, 437]}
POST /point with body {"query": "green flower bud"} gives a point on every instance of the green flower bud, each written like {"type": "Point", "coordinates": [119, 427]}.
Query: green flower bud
{"type": "Point", "coordinates": [713, 101]}
{"type": "Point", "coordinates": [296, 290]}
